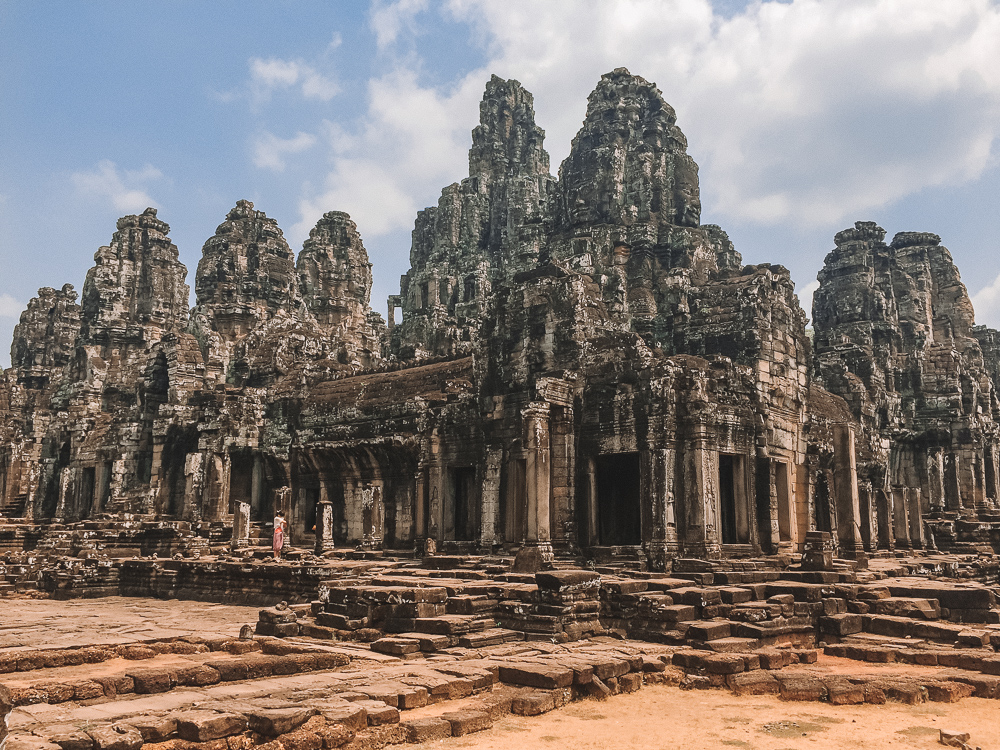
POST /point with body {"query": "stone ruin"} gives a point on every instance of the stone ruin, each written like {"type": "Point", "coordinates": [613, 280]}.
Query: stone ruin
{"type": "Point", "coordinates": [581, 367]}
{"type": "Point", "coordinates": [585, 380]}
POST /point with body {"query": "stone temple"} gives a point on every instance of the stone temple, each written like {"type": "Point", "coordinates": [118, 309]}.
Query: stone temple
{"type": "Point", "coordinates": [581, 367]}
{"type": "Point", "coordinates": [595, 452]}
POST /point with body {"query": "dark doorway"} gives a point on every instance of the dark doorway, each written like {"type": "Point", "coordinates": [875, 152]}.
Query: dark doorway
{"type": "Point", "coordinates": [462, 518]}
{"type": "Point", "coordinates": [307, 513]}
{"type": "Point", "coordinates": [821, 501]}
{"type": "Point", "coordinates": [87, 491]}
{"type": "Point", "coordinates": [619, 518]}
{"type": "Point", "coordinates": [240, 479]}
{"type": "Point", "coordinates": [991, 473]}
{"type": "Point", "coordinates": [762, 491]}
{"type": "Point", "coordinates": [515, 500]}
{"type": "Point", "coordinates": [733, 505]}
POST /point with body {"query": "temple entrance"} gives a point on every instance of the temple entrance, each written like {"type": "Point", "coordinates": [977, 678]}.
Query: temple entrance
{"type": "Point", "coordinates": [240, 479]}
{"type": "Point", "coordinates": [782, 486]}
{"type": "Point", "coordinates": [619, 517]}
{"type": "Point", "coordinates": [460, 522]}
{"type": "Point", "coordinates": [821, 502]}
{"type": "Point", "coordinates": [88, 480]}
{"type": "Point", "coordinates": [733, 506]}
{"type": "Point", "coordinates": [515, 500]}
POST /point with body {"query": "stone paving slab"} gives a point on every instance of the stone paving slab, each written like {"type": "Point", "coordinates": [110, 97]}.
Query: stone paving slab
{"type": "Point", "coordinates": [115, 620]}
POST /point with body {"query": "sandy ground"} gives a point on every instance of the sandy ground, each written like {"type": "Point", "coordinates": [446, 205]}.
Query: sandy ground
{"type": "Point", "coordinates": [672, 719]}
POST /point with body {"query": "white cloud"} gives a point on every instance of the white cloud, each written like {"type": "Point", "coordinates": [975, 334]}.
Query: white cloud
{"type": "Point", "coordinates": [125, 189]}
{"type": "Point", "coordinates": [389, 19]}
{"type": "Point", "coordinates": [806, 296]}
{"type": "Point", "coordinates": [10, 307]}
{"type": "Point", "coordinates": [412, 141]}
{"type": "Point", "coordinates": [267, 75]}
{"type": "Point", "coordinates": [269, 150]}
{"type": "Point", "coordinates": [986, 303]}
{"type": "Point", "coordinates": [808, 111]}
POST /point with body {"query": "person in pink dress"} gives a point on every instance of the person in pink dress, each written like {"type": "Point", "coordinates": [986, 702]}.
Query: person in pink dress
{"type": "Point", "coordinates": [280, 526]}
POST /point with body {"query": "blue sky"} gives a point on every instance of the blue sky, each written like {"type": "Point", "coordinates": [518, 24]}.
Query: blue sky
{"type": "Point", "coordinates": [805, 117]}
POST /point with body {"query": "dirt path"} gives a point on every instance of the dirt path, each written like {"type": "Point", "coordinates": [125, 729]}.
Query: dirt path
{"type": "Point", "coordinates": [673, 719]}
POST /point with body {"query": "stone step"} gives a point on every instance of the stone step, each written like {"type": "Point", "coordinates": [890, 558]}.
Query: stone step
{"type": "Point", "coordinates": [708, 630]}
{"type": "Point", "coordinates": [902, 606]}
{"type": "Point", "coordinates": [451, 624]}
{"type": "Point", "coordinates": [490, 637]}
{"type": "Point", "coordinates": [470, 605]}
{"type": "Point", "coordinates": [733, 645]}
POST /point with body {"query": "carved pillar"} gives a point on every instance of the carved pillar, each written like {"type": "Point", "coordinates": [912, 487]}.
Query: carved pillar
{"type": "Point", "coordinates": [241, 525]}
{"type": "Point", "coordinates": [257, 488]}
{"type": "Point", "coordinates": [979, 483]}
{"type": "Point", "coordinates": [538, 470]}
{"type": "Point", "coordinates": [324, 527]}
{"type": "Point", "coordinates": [593, 535]}
{"type": "Point", "coordinates": [915, 516]}
{"type": "Point", "coordinates": [935, 470]}
{"type": "Point", "coordinates": [900, 521]}
{"type": "Point", "coordinates": [436, 476]}
{"type": "Point", "coordinates": [883, 505]}
{"type": "Point", "coordinates": [845, 481]}
{"type": "Point", "coordinates": [419, 509]}
{"type": "Point", "coordinates": [193, 477]}
{"type": "Point", "coordinates": [563, 471]}
{"type": "Point", "coordinates": [490, 503]}
{"type": "Point", "coordinates": [65, 490]}
{"type": "Point", "coordinates": [701, 533]}
{"type": "Point", "coordinates": [663, 544]}
{"type": "Point", "coordinates": [952, 483]}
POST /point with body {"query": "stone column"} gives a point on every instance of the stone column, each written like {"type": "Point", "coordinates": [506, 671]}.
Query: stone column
{"type": "Point", "coordinates": [663, 545]}
{"type": "Point", "coordinates": [101, 484]}
{"type": "Point", "coordinates": [257, 488]}
{"type": "Point", "coordinates": [194, 474]}
{"type": "Point", "coordinates": [845, 481]}
{"type": "Point", "coordinates": [979, 483]}
{"type": "Point", "coordinates": [490, 499]}
{"type": "Point", "coordinates": [900, 522]}
{"type": "Point", "coordinates": [593, 532]}
{"type": "Point", "coordinates": [952, 483]}
{"type": "Point", "coordinates": [378, 517]}
{"type": "Point", "coordinates": [538, 470]}
{"type": "Point", "coordinates": [935, 470]}
{"type": "Point", "coordinates": [324, 527]}
{"type": "Point", "coordinates": [436, 489]}
{"type": "Point", "coordinates": [433, 292]}
{"type": "Point", "coordinates": [65, 490]}
{"type": "Point", "coordinates": [701, 533]}
{"type": "Point", "coordinates": [915, 517]}
{"type": "Point", "coordinates": [241, 526]}
{"type": "Point", "coordinates": [883, 504]}
{"type": "Point", "coordinates": [419, 510]}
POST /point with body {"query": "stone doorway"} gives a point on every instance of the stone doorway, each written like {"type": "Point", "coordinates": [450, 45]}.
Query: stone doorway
{"type": "Point", "coordinates": [733, 501]}
{"type": "Point", "coordinates": [619, 514]}
{"type": "Point", "coordinates": [460, 518]}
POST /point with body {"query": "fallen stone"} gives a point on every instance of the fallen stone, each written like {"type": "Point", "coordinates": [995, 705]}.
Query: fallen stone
{"type": "Point", "coordinates": [116, 737]}
{"type": "Point", "coordinates": [533, 704]}
{"type": "Point", "coordinates": [427, 729]}
{"type": "Point", "coordinates": [467, 721]}
{"type": "Point", "coordinates": [204, 726]}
